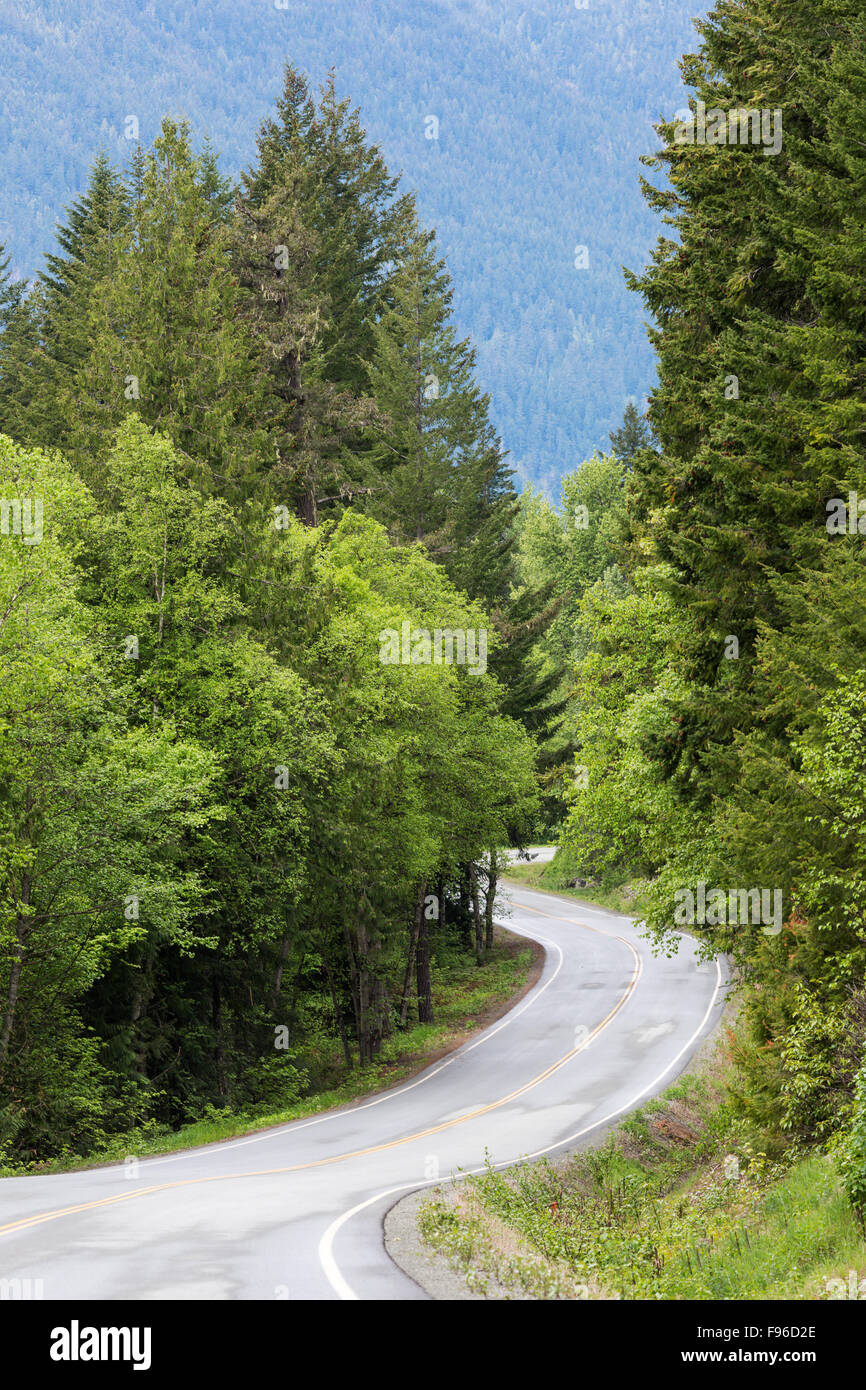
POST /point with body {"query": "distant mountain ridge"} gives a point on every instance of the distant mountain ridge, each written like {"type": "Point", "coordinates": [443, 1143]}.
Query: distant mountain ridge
{"type": "Point", "coordinates": [520, 128]}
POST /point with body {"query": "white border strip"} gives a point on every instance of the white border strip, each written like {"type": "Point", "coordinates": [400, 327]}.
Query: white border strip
{"type": "Point", "coordinates": [326, 1245]}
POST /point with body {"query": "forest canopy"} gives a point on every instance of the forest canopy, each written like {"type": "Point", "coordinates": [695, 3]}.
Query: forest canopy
{"type": "Point", "coordinates": [241, 442]}
{"type": "Point", "coordinates": [710, 572]}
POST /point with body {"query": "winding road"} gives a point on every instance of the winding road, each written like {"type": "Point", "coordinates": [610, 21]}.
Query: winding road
{"type": "Point", "coordinates": [297, 1211]}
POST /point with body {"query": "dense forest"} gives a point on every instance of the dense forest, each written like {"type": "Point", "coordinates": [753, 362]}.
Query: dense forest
{"type": "Point", "coordinates": [243, 452]}
{"type": "Point", "coordinates": [712, 581]}
{"type": "Point", "coordinates": [519, 126]}
{"type": "Point", "coordinates": [248, 471]}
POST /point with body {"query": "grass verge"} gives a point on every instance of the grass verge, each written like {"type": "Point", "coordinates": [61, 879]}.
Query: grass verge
{"type": "Point", "coordinates": [674, 1206]}
{"type": "Point", "coordinates": [466, 999]}
{"type": "Point", "coordinates": [619, 897]}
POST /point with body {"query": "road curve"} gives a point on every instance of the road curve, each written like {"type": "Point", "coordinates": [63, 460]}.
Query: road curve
{"type": "Point", "coordinates": [296, 1212]}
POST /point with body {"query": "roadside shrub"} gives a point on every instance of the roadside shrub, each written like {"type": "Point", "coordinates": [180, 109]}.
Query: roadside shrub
{"type": "Point", "coordinates": [852, 1159]}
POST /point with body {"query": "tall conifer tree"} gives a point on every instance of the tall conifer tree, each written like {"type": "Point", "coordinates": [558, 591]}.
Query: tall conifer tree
{"type": "Point", "coordinates": [166, 336]}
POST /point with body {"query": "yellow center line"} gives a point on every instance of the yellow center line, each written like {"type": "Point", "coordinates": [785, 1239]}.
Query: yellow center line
{"type": "Point", "coordinates": [37, 1220]}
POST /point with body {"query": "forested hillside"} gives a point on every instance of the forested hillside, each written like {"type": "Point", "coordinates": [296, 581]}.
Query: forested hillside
{"type": "Point", "coordinates": [519, 126]}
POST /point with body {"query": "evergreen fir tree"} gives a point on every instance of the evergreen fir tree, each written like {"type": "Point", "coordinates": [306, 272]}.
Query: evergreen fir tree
{"type": "Point", "coordinates": [23, 368]}
{"type": "Point", "coordinates": [310, 422]}
{"type": "Point", "coordinates": [10, 290]}
{"type": "Point", "coordinates": [310, 242]}
{"type": "Point", "coordinates": [49, 337]}
{"type": "Point", "coordinates": [633, 434]}
{"type": "Point", "coordinates": [421, 379]}
{"type": "Point", "coordinates": [349, 202]}
{"type": "Point", "coordinates": [99, 216]}
{"type": "Point", "coordinates": [742, 301]}
{"type": "Point", "coordinates": [166, 337]}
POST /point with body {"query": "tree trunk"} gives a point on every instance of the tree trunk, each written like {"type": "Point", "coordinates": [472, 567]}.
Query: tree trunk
{"type": "Point", "coordinates": [308, 511]}
{"type": "Point", "coordinates": [21, 929]}
{"type": "Point", "coordinates": [338, 1013]}
{"type": "Point", "coordinates": [14, 985]}
{"type": "Point", "coordinates": [476, 914]}
{"type": "Point", "coordinates": [492, 880]}
{"type": "Point", "coordinates": [422, 969]}
{"type": "Point", "coordinates": [141, 997]}
{"type": "Point", "coordinates": [465, 909]}
{"type": "Point", "coordinates": [219, 1054]}
{"type": "Point", "coordinates": [414, 934]}
{"type": "Point", "coordinates": [368, 989]}
{"type": "Point", "coordinates": [278, 973]}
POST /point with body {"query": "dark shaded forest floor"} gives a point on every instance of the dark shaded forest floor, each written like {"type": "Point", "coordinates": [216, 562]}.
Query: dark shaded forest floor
{"type": "Point", "coordinates": [467, 999]}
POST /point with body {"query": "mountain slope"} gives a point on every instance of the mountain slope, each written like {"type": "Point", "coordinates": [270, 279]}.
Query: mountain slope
{"type": "Point", "coordinates": [542, 113]}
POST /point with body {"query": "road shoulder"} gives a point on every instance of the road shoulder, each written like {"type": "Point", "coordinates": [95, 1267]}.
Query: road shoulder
{"type": "Point", "coordinates": [433, 1271]}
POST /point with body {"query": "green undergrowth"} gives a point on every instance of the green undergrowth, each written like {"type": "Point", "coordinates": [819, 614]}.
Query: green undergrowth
{"type": "Point", "coordinates": [557, 874]}
{"type": "Point", "coordinates": [676, 1205]}
{"type": "Point", "coordinates": [465, 996]}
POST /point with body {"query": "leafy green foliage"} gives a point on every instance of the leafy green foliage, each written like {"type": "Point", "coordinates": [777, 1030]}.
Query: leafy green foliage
{"type": "Point", "coordinates": [227, 814]}
{"type": "Point", "coordinates": [853, 1155]}
{"type": "Point", "coordinates": [712, 623]}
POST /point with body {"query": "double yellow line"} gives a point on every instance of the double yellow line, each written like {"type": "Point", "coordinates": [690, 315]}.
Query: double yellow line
{"type": "Point", "coordinates": [27, 1221]}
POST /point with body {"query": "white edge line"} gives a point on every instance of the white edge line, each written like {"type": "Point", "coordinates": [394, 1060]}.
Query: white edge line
{"type": "Point", "coordinates": [295, 1125]}
{"type": "Point", "coordinates": [326, 1245]}
{"type": "Point", "coordinates": [427, 1075]}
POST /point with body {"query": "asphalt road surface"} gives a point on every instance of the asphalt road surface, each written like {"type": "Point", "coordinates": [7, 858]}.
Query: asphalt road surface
{"type": "Point", "coordinates": [296, 1212]}
{"type": "Point", "coordinates": [542, 853]}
